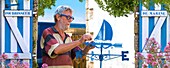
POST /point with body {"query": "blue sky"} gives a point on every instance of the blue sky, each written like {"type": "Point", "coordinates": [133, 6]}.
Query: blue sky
{"type": "Point", "coordinates": [78, 11]}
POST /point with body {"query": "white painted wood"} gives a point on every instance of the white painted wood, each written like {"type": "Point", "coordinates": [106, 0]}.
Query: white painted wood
{"type": "Point", "coordinates": [168, 29]}
{"type": "Point", "coordinates": [145, 31]}
{"type": "Point", "coordinates": [13, 39]}
{"type": "Point", "coordinates": [158, 37]}
{"type": "Point", "coordinates": [18, 36]}
{"type": "Point", "coordinates": [145, 27]}
{"type": "Point", "coordinates": [158, 24]}
{"type": "Point", "coordinates": [2, 27]}
{"type": "Point", "coordinates": [26, 25]}
{"type": "Point", "coordinates": [157, 27]}
{"type": "Point", "coordinates": [145, 54]}
{"type": "Point", "coordinates": [13, 44]}
{"type": "Point", "coordinates": [21, 55]}
{"type": "Point", "coordinates": [157, 7]}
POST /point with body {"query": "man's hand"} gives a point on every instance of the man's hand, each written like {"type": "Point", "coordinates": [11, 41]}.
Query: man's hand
{"type": "Point", "coordinates": [85, 37]}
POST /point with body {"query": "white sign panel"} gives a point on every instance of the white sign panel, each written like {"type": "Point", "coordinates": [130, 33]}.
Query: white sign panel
{"type": "Point", "coordinates": [18, 13]}
{"type": "Point", "coordinates": [123, 32]}
{"type": "Point", "coordinates": [154, 13]}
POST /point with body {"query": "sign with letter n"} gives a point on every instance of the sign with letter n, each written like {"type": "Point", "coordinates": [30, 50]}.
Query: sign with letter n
{"type": "Point", "coordinates": [153, 23]}
{"type": "Point", "coordinates": [16, 29]}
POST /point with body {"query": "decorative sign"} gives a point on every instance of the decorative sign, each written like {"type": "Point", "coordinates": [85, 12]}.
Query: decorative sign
{"type": "Point", "coordinates": [16, 31]}
{"type": "Point", "coordinates": [154, 13]}
{"type": "Point", "coordinates": [113, 39]}
{"type": "Point", "coordinates": [103, 42]}
{"type": "Point", "coordinates": [18, 13]}
{"type": "Point", "coordinates": [153, 23]}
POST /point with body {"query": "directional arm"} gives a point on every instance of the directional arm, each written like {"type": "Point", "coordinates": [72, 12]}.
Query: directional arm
{"type": "Point", "coordinates": [96, 43]}
{"type": "Point", "coordinates": [106, 43]}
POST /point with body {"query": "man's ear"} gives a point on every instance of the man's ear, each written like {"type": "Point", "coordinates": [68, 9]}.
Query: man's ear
{"type": "Point", "coordinates": [57, 16]}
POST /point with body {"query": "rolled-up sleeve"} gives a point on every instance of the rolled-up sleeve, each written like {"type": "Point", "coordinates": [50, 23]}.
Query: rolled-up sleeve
{"type": "Point", "coordinates": [49, 44]}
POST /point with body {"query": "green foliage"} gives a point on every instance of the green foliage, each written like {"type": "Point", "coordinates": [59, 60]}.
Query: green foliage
{"type": "Point", "coordinates": [119, 8]}
{"type": "Point", "coordinates": [81, 0]}
{"type": "Point", "coordinates": [116, 8]}
{"type": "Point", "coordinates": [166, 3]}
{"type": "Point", "coordinates": [44, 4]}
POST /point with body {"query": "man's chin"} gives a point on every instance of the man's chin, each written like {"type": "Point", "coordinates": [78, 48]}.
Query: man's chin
{"type": "Point", "coordinates": [67, 28]}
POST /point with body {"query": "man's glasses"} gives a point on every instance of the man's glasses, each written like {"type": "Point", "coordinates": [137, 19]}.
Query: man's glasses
{"type": "Point", "coordinates": [67, 16]}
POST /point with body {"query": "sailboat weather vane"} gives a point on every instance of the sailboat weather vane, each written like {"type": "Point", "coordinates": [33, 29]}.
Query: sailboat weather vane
{"type": "Point", "coordinates": [103, 41]}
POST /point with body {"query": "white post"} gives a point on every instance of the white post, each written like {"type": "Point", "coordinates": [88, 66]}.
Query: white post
{"type": "Point", "coordinates": [2, 27]}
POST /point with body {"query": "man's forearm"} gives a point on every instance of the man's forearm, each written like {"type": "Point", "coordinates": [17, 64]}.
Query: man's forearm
{"type": "Point", "coordinates": [62, 48]}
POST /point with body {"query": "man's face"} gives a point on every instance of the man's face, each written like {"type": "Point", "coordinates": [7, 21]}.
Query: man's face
{"type": "Point", "coordinates": [65, 20]}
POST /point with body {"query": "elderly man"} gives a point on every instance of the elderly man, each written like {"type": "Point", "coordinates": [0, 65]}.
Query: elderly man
{"type": "Point", "coordinates": [57, 46]}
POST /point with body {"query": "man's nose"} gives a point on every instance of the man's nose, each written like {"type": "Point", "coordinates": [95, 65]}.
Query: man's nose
{"type": "Point", "coordinates": [70, 20]}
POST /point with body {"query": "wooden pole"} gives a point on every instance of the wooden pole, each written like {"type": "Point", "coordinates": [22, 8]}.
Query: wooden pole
{"type": "Point", "coordinates": [35, 33]}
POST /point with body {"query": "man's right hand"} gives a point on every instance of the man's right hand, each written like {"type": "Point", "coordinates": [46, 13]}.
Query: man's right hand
{"type": "Point", "coordinates": [85, 37]}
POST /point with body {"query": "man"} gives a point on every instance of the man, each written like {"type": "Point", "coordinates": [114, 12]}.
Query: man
{"type": "Point", "coordinates": [57, 46]}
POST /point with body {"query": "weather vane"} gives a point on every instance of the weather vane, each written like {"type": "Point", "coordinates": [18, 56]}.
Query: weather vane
{"type": "Point", "coordinates": [103, 41]}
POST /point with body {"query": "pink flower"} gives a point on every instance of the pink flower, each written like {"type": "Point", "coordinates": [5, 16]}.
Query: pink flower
{"type": "Point", "coordinates": [149, 56]}
{"type": "Point", "coordinates": [139, 54]}
{"type": "Point", "coordinates": [44, 65]}
{"type": "Point", "coordinates": [167, 48]}
{"type": "Point", "coordinates": [16, 55]}
{"type": "Point", "coordinates": [26, 65]}
{"type": "Point", "coordinates": [155, 42]}
{"type": "Point", "coordinates": [148, 61]}
{"type": "Point", "coordinates": [167, 54]}
{"type": "Point", "coordinates": [167, 58]}
{"type": "Point", "coordinates": [4, 56]}
{"type": "Point", "coordinates": [11, 64]}
{"type": "Point", "coordinates": [147, 39]}
{"type": "Point", "coordinates": [155, 54]}
{"type": "Point", "coordinates": [169, 43]}
{"type": "Point", "coordinates": [151, 49]}
{"type": "Point", "coordinates": [15, 63]}
{"type": "Point", "coordinates": [152, 39]}
{"type": "Point", "coordinates": [154, 63]}
{"type": "Point", "coordinates": [165, 66]}
{"type": "Point", "coordinates": [159, 54]}
{"type": "Point", "coordinates": [144, 66]}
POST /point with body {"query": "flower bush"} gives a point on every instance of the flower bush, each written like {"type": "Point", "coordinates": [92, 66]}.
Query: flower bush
{"type": "Point", "coordinates": [14, 63]}
{"type": "Point", "coordinates": [154, 57]}
{"type": "Point", "coordinates": [44, 65]}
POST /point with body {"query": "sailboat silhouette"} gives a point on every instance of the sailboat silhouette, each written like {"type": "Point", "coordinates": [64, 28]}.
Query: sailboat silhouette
{"type": "Point", "coordinates": [105, 35]}
{"type": "Point", "coordinates": [105, 32]}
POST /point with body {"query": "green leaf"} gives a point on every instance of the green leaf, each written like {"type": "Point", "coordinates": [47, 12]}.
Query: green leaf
{"type": "Point", "coordinates": [119, 8]}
